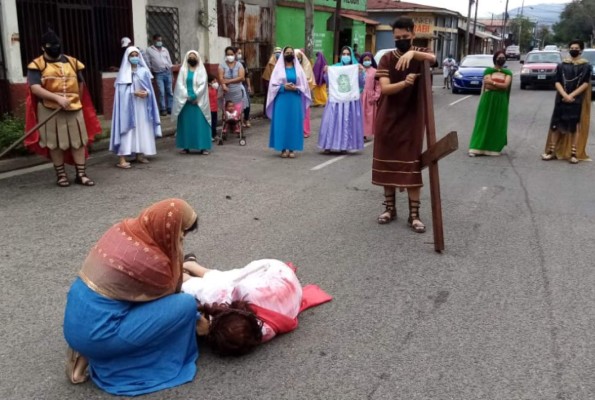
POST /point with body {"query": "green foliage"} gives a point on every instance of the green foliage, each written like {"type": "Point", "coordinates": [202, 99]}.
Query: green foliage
{"type": "Point", "coordinates": [526, 27]}
{"type": "Point", "coordinates": [11, 130]}
{"type": "Point", "coordinates": [577, 21]}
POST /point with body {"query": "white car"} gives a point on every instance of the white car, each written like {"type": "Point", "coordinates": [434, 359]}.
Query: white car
{"type": "Point", "coordinates": [551, 47]}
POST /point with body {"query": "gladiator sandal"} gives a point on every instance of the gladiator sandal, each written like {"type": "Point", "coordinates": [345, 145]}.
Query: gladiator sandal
{"type": "Point", "coordinates": [77, 370]}
{"type": "Point", "coordinates": [414, 222]}
{"type": "Point", "coordinates": [81, 176]}
{"type": "Point", "coordinates": [550, 154]}
{"type": "Point", "coordinates": [62, 178]}
{"type": "Point", "coordinates": [573, 159]}
{"type": "Point", "coordinates": [390, 212]}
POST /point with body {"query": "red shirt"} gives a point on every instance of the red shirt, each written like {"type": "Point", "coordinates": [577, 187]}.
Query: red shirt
{"type": "Point", "coordinates": [213, 99]}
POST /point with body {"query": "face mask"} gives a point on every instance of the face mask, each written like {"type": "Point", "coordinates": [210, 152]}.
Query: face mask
{"type": "Point", "coordinates": [158, 44]}
{"type": "Point", "coordinates": [403, 45]}
{"type": "Point", "coordinates": [239, 57]}
{"type": "Point", "coordinates": [54, 51]}
{"type": "Point", "coordinates": [574, 53]}
{"type": "Point", "coordinates": [134, 60]}
{"type": "Point", "coordinates": [215, 85]}
{"type": "Point", "coordinates": [277, 55]}
{"type": "Point", "coordinates": [346, 59]}
{"type": "Point", "coordinates": [500, 61]}
{"type": "Point", "coordinates": [193, 62]}
{"type": "Point", "coordinates": [367, 63]}
{"type": "Point", "coordinates": [289, 57]}
{"type": "Point", "coordinates": [230, 58]}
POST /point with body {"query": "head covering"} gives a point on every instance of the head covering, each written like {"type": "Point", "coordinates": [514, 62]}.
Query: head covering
{"type": "Point", "coordinates": [353, 59]}
{"type": "Point", "coordinates": [125, 72]}
{"type": "Point", "coordinates": [279, 77]}
{"type": "Point", "coordinates": [307, 67]}
{"type": "Point", "coordinates": [277, 49]}
{"type": "Point", "coordinates": [140, 259]}
{"type": "Point", "coordinates": [268, 69]}
{"type": "Point", "coordinates": [50, 37]}
{"type": "Point", "coordinates": [319, 68]}
{"type": "Point", "coordinates": [200, 85]}
{"type": "Point", "coordinates": [368, 54]}
{"type": "Point", "coordinates": [125, 41]}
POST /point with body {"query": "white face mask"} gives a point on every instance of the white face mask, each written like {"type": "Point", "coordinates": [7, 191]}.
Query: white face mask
{"type": "Point", "coordinates": [239, 56]}
{"type": "Point", "coordinates": [215, 85]}
{"type": "Point", "coordinates": [230, 58]}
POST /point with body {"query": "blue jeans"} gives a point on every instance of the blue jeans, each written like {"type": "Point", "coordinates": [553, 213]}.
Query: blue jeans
{"type": "Point", "coordinates": [164, 84]}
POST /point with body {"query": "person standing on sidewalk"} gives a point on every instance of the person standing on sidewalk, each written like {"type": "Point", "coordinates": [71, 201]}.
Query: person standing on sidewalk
{"type": "Point", "coordinates": [160, 64]}
{"type": "Point", "coordinates": [248, 91]}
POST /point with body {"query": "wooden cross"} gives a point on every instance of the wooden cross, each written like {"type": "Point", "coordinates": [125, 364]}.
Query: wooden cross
{"type": "Point", "coordinates": [435, 152]}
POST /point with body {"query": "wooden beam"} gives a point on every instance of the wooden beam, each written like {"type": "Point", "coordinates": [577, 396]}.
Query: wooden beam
{"type": "Point", "coordinates": [440, 149]}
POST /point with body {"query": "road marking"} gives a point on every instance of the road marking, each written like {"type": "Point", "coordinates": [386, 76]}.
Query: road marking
{"type": "Point", "coordinates": [334, 160]}
{"type": "Point", "coordinates": [459, 100]}
{"type": "Point", "coordinates": [23, 171]}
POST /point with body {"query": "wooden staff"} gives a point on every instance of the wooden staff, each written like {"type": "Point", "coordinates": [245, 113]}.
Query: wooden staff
{"type": "Point", "coordinates": [30, 132]}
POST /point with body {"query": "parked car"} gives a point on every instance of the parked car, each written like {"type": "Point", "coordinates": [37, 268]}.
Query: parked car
{"type": "Point", "coordinates": [589, 54]}
{"type": "Point", "coordinates": [539, 68]}
{"type": "Point", "coordinates": [513, 52]}
{"type": "Point", "coordinates": [469, 76]}
{"type": "Point", "coordinates": [551, 47]}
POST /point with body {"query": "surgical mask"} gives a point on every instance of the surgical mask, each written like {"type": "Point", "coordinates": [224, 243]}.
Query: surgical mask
{"type": "Point", "coordinates": [574, 53]}
{"type": "Point", "coordinates": [277, 55]}
{"type": "Point", "coordinates": [239, 57]}
{"type": "Point", "coordinates": [158, 44]}
{"type": "Point", "coordinates": [288, 57]}
{"type": "Point", "coordinates": [403, 45]}
{"type": "Point", "coordinates": [193, 62]}
{"type": "Point", "coordinates": [500, 62]}
{"type": "Point", "coordinates": [215, 85]}
{"type": "Point", "coordinates": [367, 63]}
{"type": "Point", "coordinates": [54, 51]}
{"type": "Point", "coordinates": [346, 59]}
{"type": "Point", "coordinates": [134, 60]}
{"type": "Point", "coordinates": [230, 58]}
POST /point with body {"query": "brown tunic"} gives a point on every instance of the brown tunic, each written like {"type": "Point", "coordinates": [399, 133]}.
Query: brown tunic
{"type": "Point", "coordinates": [399, 127]}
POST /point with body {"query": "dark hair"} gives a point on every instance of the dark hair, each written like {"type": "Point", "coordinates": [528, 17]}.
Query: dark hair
{"type": "Point", "coordinates": [228, 102]}
{"type": "Point", "coordinates": [193, 227]}
{"type": "Point", "coordinates": [211, 78]}
{"type": "Point", "coordinates": [580, 43]}
{"type": "Point", "coordinates": [235, 330]}
{"type": "Point", "coordinates": [155, 36]}
{"type": "Point", "coordinates": [404, 23]}
{"type": "Point", "coordinates": [496, 54]}
{"type": "Point", "coordinates": [233, 49]}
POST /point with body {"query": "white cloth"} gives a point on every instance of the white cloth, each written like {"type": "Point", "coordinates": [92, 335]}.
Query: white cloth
{"type": "Point", "coordinates": [125, 71]}
{"type": "Point", "coordinates": [232, 116]}
{"type": "Point", "coordinates": [200, 85]}
{"type": "Point", "coordinates": [447, 66]}
{"type": "Point", "coordinates": [267, 283]}
{"type": "Point", "coordinates": [343, 83]}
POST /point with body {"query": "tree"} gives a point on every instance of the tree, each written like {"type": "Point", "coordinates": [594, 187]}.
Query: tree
{"type": "Point", "coordinates": [524, 26]}
{"type": "Point", "coordinates": [543, 35]}
{"type": "Point", "coordinates": [577, 21]}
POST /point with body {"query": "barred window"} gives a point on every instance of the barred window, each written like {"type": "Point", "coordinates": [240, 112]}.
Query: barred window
{"type": "Point", "coordinates": [165, 22]}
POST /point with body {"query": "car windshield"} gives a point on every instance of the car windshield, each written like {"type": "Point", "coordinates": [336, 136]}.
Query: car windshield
{"type": "Point", "coordinates": [477, 61]}
{"type": "Point", "coordinates": [543, 58]}
{"type": "Point", "coordinates": [589, 55]}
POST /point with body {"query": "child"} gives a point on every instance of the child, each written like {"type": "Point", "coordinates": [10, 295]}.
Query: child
{"type": "Point", "coordinates": [247, 306]}
{"type": "Point", "coordinates": [232, 118]}
{"type": "Point", "coordinates": [213, 91]}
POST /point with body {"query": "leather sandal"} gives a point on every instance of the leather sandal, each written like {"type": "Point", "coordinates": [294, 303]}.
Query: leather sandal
{"type": "Point", "coordinates": [390, 212]}
{"type": "Point", "coordinates": [81, 176]}
{"type": "Point", "coordinates": [573, 159]}
{"type": "Point", "coordinates": [62, 178]}
{"type": "Point", "coordinates": [550, 154]}
{"type": "Point", "coordinates": [414, 222]}
{"type": "Point", "coordinates": [77, 370]}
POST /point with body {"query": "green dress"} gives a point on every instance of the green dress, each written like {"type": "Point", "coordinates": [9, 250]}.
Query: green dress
{"type": "Point", "coordinates": [193, 131]}
{"type": "Point", "coordinates": [491, 121]}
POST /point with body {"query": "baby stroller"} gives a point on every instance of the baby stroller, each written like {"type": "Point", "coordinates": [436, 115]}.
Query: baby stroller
{"type": "Point", "coordinates": [234, 124]}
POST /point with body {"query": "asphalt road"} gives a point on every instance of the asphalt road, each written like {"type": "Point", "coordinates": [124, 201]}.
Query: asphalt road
{"type": "Point", "coordinates": [506, 312]}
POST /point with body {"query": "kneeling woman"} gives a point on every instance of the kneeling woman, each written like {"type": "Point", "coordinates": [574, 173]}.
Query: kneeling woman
{"type": "Point", "coordinates": [250, 305]}
{"type": "Point", "coordinates": [125, 317]}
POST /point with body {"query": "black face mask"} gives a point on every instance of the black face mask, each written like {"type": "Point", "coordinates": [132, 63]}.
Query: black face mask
{"type": "Point", "coordinates": [403, 45]}
{"type": "Point", "coordinates": [574, 53]}
{"type": "Point", "coordinates": [53, 51]}
{"type": "Point", "coordinates": [500, 62]}
{"type": "Point", "coordinates": [289, 57]}
{"type": "Point", "coordinates": [192, 62]}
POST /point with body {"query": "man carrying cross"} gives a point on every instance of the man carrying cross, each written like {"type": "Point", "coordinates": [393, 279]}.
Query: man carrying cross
{"type": "Point", "coordinates": [400, 124]}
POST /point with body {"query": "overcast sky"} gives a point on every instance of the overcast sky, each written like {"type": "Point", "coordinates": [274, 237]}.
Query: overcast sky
{"type": "Point", "coordinates": [485, 6]}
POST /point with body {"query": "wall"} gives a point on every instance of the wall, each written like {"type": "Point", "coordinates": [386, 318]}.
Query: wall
{"type": "Point", "coordinates": [188, 20]}
{"type": "Point", "coordinates": [356, 5]}
{"type": "Point", "coordinates": [9, 36]}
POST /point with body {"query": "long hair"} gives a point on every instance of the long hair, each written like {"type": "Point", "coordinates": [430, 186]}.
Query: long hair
{"type": "Point", "coordinates": [235, 330]}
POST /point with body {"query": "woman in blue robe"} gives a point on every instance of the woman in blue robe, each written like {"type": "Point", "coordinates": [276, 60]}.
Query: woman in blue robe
{"type": "Point", "coordinates": [287, 100]}
{"type": "Point", "coordinates": [191, 106]}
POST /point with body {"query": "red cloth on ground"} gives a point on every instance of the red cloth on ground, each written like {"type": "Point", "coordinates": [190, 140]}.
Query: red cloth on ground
{"type": "Point", "coordinates": [89, 115]}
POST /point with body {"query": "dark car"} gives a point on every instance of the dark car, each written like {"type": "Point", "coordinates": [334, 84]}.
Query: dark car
{"type": "Point", "coordinates": [513, 52]}
{"type": "Point", "coordinates": [539, 68]}
{"type": "Point", "coordinates": [589, 54]}
{"type": "Point", "coordinates": [469, 76]}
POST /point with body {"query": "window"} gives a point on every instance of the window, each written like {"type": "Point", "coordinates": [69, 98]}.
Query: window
{"type": "Point", "coordinates": [165, 22]}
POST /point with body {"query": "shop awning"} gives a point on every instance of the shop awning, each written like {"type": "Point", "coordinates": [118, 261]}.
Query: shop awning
{"type": "Point", "coordinates": [355, 17]}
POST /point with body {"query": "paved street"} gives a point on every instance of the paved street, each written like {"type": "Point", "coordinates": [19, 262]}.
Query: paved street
{"type": "Point", "coordinates": [506, 312]}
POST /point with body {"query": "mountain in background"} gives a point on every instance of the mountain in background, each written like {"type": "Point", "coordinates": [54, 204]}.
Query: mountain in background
{"type": "Point", "coordinates": [543, 14]}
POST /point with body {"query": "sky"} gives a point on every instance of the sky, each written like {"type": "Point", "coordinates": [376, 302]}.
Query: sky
{"type": "Point", "coordinates": [486, 7]}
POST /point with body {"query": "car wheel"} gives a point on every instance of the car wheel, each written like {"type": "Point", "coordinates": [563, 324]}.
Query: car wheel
{"type": "Point", "coordinates": [455, 91]}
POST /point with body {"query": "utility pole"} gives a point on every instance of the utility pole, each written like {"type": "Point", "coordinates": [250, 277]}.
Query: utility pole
{"type": "Point", "coordinates": [474, 28]}
{"type": "Point", "coordinates": [521, 23]}
{"type": "Point", "coordinates": [309, 9]}
{"type": "Point", "coordinates": [505, 24]}
{"type": "Point", "coordinates": [467, 30]}
{"type": "Point", "coordinates": [336, 31]}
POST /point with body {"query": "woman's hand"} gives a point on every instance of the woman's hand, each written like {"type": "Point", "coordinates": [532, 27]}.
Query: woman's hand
{"type": "Point", "coordinates": [224, 87]}
{"type": "Point", "coordinates": [290, 86]}
{"type": "Point", "coordinates": [141, 93]}
{"type": "Point", "coordinates": [202, 326]}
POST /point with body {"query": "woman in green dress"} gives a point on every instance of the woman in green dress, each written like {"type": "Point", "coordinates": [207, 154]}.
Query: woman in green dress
{"type": "Point", "coordinates": [491, 121]}
{"type": "Point", "coordinates": [191, 106]}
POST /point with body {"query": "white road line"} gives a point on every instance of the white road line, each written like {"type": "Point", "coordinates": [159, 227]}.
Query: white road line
{"type": "Point", "coordinates": [333, 160]}
{"type": "Point", "coordinates": [459, 100]}
{"type": "Point", "coordinates": [18, 172]}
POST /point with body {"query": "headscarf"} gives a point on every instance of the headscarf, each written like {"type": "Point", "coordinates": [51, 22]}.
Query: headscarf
{"type": "Point", "coordinates": [279, 78]}
{"type": "Point", "coordinates": [368, 54]}
{"type": "Point", "coordinates": [125, 72]}
{"type": "Point", "coordinates": [200, 85]}
{"type": "Point", "coordinates": [268, 69]}
{"type": "Point", "coordinates": [319, 68]}
{"type": "Point", "coordinates": [140, 259]}
{"type": "Point", "coordinates": [307, 67]}
{"type": "Point", "coordinates": [353, 59]}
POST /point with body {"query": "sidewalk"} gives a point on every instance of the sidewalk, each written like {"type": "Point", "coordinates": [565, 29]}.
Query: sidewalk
{"type": "Point", "coordinates": [168, 128]}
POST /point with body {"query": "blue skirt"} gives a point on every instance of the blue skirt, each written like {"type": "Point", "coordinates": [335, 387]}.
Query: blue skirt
{"type": "Point", "coordinates": [287, 124]}
{"type": "Point", "coordinates": [133, 348]}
